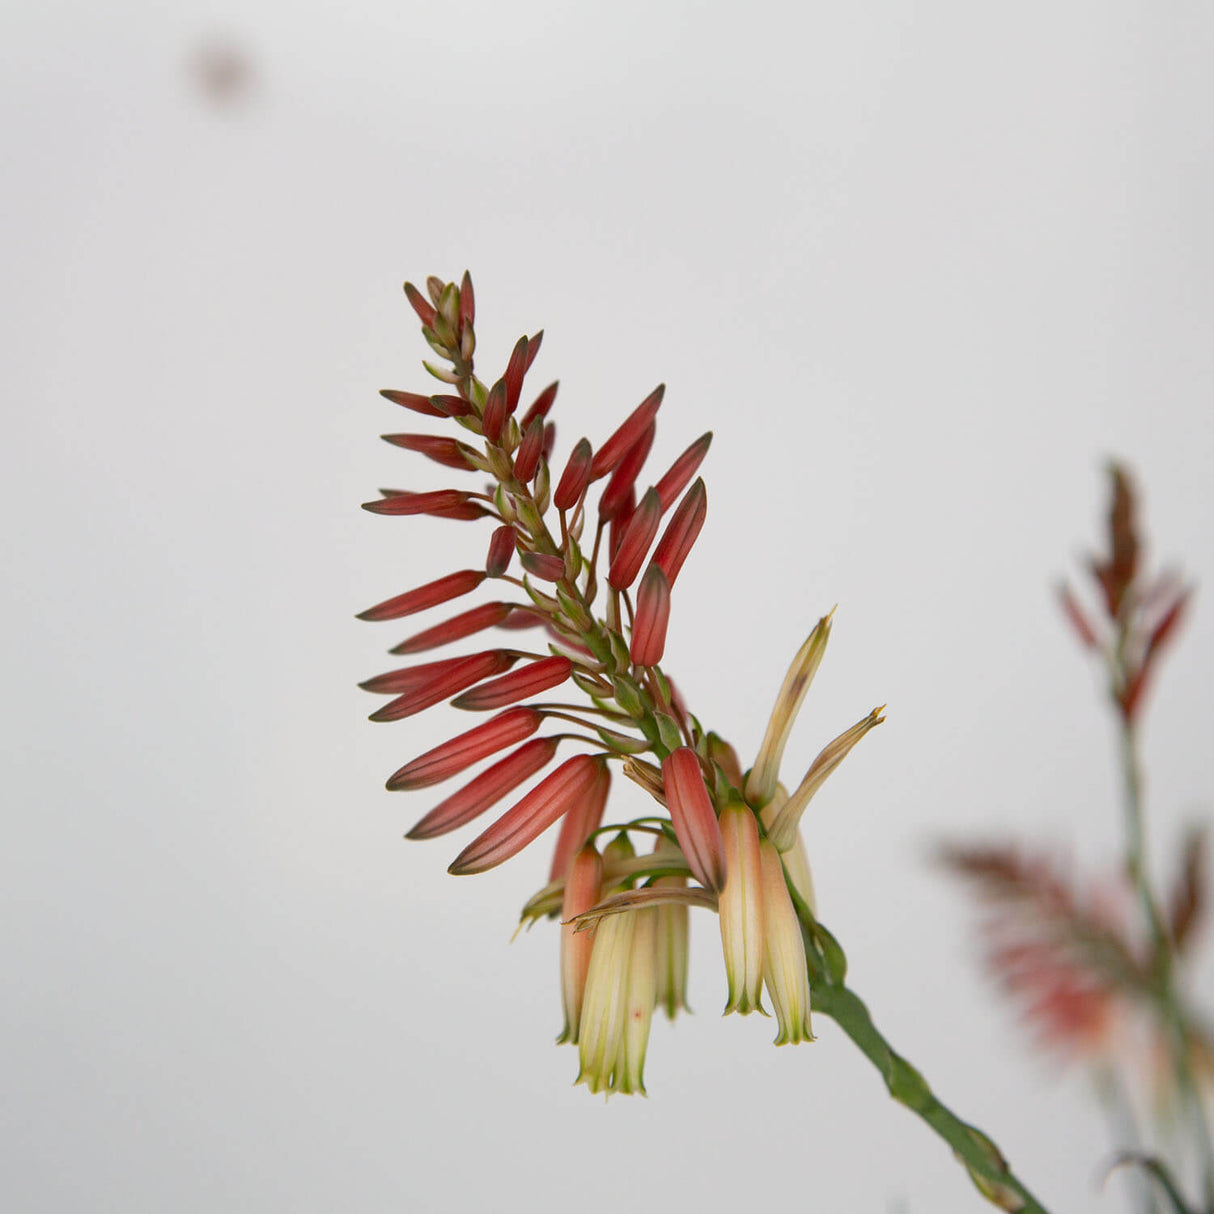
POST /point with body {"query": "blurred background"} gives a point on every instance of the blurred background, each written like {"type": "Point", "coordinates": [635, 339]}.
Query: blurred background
{"type": "Point", "coordinates": [921, 267]}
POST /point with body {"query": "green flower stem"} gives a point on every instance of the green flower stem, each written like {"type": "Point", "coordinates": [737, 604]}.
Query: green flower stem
{"type": "Point", "coordinates": [830, 996]}
{"type": "Point", "coordinates": [1165, 992]}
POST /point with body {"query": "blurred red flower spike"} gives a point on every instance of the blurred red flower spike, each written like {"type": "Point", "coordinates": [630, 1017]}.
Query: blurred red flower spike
{"type": "Point", "coordinates": [681, 531]}
{"type": "Point", "coordinates": [486, 790]}
{"type": "Point", "coordinates": [467, 301]}
{"type": "Point", "coordinates": [543, 565]}
{"type": "Point", "coordinates": [501, 549]}
{"type": "Point", "coordinates": [693, 817]}
{"type": "Point", "coordinates": [412, 400]}
{"type": "Point", "coordinates": [540, 406]}
{"type": "Point", "coordinates": [446, 451]}
{"type": "Point", "coordinates": [516, 368]}
{"type": "Point", "coordinates": [395, 682]}
{"type": "Point", "coordinates": [419, 503]}
{"type": "Point", "coordinates": [493, 420]}
{"type": "Point", "coordinates": [462, 674]}
{"type": "Point", "coordinates": [1168, 622]}
{"type": "Point", "coordinates": [682, 470]}
{"type": "Point", "coordinates": [578, 824]}
{"type": "Point", "coordinates": [623, 479]}
{"type": "Point", "coordinates": [556, 793]}
{"type": "Point", "coordinates": [652, 616]}
{"type": "Point", "coordinates": [533, 348]}
{"type": "Point", "coordinates": [455, 629]}
{"type": "Point", "coordinates": [635, 541]}
{"type": "Point", "coordinates": [576, 476]}
{"type": "Point", "coordinates": [549, 443]}
{"type": "Point", "coordinates": [424, 309]}
{"type": "Point", "coordinates": [430, 595]}
{"type": "Point", "coordinates": [470, 747]}
{"type": "Point", "coordinates": [1077, 618]}
{"type": "Point", "coordinates": [527, 458]}
{"type": "Point", "coordinates": [518, 685]}
{"type": "Point", "coordinates": [617, 446]}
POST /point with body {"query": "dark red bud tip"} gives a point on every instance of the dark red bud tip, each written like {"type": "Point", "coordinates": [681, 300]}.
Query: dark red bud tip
{"type": "Point", "coordinates": [533, 347]}
{"type": "Point", "coordinates": [652, 617]}
{"type": "Point", "coordinates": [518, 685]}
{"type": "Point", "coordinates": [549, 440]}
{"type": "Point", "coordinates": [493, 420]}
{"type": "Point", "coordinates": [682, 470]}
{"type": "Point", "coordinates": [540, 406]}
{"type": "Point", "coordinates": [542, 565]}
{"type": "Point", "coordinates": [681, 532]}
{"type": "Point", "coordinates": [620, 487]}
{"type": "Point", "coordinates": [412, 400]}
{"type": "Point", "coordinates": [501, 549]}
{"type": "Point", "coordinates": [616, 447]}
{"type": "Point", "coordinates": [515, 370]}
{"type": "Point", "coordinates": [575, 478]}
{"type": "Point", "coordinates": [424, 309]}
{"type": "Point", "coordinates": [429, 595]}
{"type": "Point", "coordinates": [527, 458]}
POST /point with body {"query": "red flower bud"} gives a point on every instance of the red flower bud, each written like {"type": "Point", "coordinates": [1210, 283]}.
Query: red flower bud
{"type": "Point", "coordinates": [635, 541]}
{"type": "Point", "coordinates": [617, 446]}
{"type": "Point", "coordinates": [540, 406]}
{"type": "Point", "coordinates": [442, 502]}
{"type": "Point", "coordinates": [455, 629]}
{"type": "Point", "coordinates": [652, 616]}
{"type": "Point", "coordinates": [462, 674]}
{"type": "Point", "coordinates": [693, 817]}
{"type": "Point", "coordinates": [467, 301]}
{"type": "Point", "coordinates": [542, 565]}
{"type": "Point", "coordinates": [429, 595]}
{"type": "Point", "coordinates": [578, 824]}
{"type": "Point", "coordinates": [470, 747]}
{"type": "Point", "coordinates": [575, 478]}
{"type": "Point", "coordinates": [446, 451]}
{"type": "Point", "coordinates": [406, 679]}
{"type": "Point", "coordinates": [682, 470]}
{"type": "Point", "coordinates": [501, 549]}
{"type": "Point", "coordinates": [412, 400]}
{"type": "Point", "coordinates": [493, 420]}
{"type": "Point", "coordinates": [515, 370]}
{"type": "Point", "coordinates": [425, 312]}
{"type": "Point", "coordinates": [624, 477]}
{"type": "Point", "coordinates": [681, 531]}
{"type": "Point", "coordinates": [527, 458]}
{"type": "Point", "coordinates": [518, 685]}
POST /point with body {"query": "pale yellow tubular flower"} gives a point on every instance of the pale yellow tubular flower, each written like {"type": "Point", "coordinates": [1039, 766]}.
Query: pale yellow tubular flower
{"type": "Point", "coordinates": [796, 859]}
{"type": "Point", "coordinates": [784, 968]}
{"type": "Point", "coordinates": [582, 890]}
{"type": "Point", "coordinates": [629, 1076]}
{"type": "Point", "coordinates": [761, 782]}
{"type": "Point", "coordinates": [673, 931]}
{"type": "Point", "coordinates": [601, 1030]}
{"type": "Point", "coordinates": [741, 909]}
{"type": "Point", "coordinates": [783, 830]}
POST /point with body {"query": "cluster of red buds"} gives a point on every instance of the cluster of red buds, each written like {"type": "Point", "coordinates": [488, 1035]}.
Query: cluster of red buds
{"type": "Point", "coordinates": [1140, 615]}
{"type": "Point", "coordinates": [725, 839]}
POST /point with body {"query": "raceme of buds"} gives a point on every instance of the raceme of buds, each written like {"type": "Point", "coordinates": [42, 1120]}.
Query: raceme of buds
{"type": "Point", "coordinates": [597, 568]}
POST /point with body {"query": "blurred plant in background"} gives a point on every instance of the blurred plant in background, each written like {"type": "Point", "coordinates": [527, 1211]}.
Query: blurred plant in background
{"type": "Point", "coordinates": [1098, 969]}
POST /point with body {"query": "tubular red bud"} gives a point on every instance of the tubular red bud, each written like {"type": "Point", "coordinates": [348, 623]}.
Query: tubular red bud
{"type": "Point", "coordinates": [461, 675]}
{"type": "Point", "coordinates": [682, 470]}
{"type": "Point", "coordinates": [620, 487]}
{"type": "Point", "coordinates": [493, 419]}
{"type": "Point", "coordinates": [518, 685]}
{"type": "Point", "coordinates": [577, 826]}
{"type": "Point", "coordinates": [681, 531]}
{"type": "Point", "coordinates": [438, 502]}
{"type": "Point", "coordinates": [539, 809]}
{"type": "Point", "coordinates": [461, 752]}
{"type": "Point", "coordinates": [617, 446]}
{"type": "Point", "coordinates": [430, 595]}
{"type": "Point", "coordinates": [451, 406]}
{"type": "Point", "coordinates": [515, 370]}
{"type": "Point", "coordinates": [456, 628]}
{"type": "Point", "coordinates": [576, 476]}
{"type": "Point", "coordinates": [542, 565]}
{"type": "Point", "coordinates": [524, 617]}
{"type": "Point", "coordinates": [619, 524]}
{"type": "Point", "coordinates": [425, 311]}
{"type": "Point", "coordinates": [395, 682]}
{"type": "Point", "coordinates": [467, 301]}
{"type": "Point", "coordinates": [692, 815]}
{"type": "Point", "coordinates": [527, 458]}
{"type": "Point", "coordinates": [582, 890]}
{"type": "Point", "coordinates": [486, 790]}
{"type": "Point", "coordinates": [635, 541]}
{"type": "Point", "coordinates": [533, 348]}
{"type": "Point", "coordinates": [540, 406]}
{"type": "Point", "coordinates": [1078, 619]}
{"type": "Point", "coordinates": [549, 442]}
{"type": "Point", "coordinates": [501, 549]}
{"type": "Point", "coordinates": [446, 451]}
{"type": "Point", "coordinates": [412, 400]}
{"type": "Point", "coordinates": [1168, 622]}
{"type": "Point", "coordinates": [652, 617]}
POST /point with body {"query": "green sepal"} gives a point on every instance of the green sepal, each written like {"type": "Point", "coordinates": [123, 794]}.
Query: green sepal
{"type": "Point", "coordinates": [573, 610]}
{"type": "Point", "coordinates": [628, 696]}
{"type": "Point", "coordinates": [668, 731]}
{"type": "Point", "coordinates": [622, 743]}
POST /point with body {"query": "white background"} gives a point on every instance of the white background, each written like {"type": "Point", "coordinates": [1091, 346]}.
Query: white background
{"type": "Point", "coordinates": [920, 267]}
